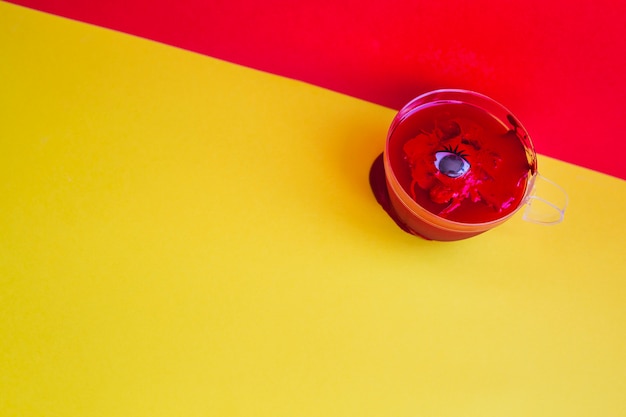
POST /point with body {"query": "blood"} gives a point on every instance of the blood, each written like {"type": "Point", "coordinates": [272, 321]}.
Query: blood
{"type": "Point", "coordinates": [493, 185]}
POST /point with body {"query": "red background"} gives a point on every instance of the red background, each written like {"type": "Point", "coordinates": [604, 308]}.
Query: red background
{"type": "Point", "coordinates": [559, 66]}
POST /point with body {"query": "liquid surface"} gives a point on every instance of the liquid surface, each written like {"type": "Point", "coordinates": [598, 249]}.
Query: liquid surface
{"type": "Point", "coordinates": [459, 162]}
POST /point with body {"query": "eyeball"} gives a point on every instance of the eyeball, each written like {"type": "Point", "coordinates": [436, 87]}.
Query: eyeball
{"type": "Point", "coordinates": [451, 164]}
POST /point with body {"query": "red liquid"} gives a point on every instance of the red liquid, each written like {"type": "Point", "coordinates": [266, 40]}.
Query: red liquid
{"type": "Point", "coordinates": [496, 161]}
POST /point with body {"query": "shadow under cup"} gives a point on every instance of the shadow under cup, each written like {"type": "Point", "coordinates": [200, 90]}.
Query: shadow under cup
{"type": "Point", "coordinates": [458, 163]}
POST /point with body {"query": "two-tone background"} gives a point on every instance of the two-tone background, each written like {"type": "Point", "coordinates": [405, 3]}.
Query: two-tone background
{"type": "Point", "coordinates": [560, 66]}
{"type": "Point", "coordinates": [182, 234]}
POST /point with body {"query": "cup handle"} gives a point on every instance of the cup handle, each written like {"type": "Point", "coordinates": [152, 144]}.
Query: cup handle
{"type": "Point", "coordinates": [546, 203]}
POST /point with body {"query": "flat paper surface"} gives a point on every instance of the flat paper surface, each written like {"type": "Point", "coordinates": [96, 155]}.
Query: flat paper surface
{"type": "Point", "coordinates": [181, 236]}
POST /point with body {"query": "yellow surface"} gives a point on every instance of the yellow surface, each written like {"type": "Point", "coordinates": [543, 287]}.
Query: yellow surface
{"type": "Point", "coordinates": [181, 236]}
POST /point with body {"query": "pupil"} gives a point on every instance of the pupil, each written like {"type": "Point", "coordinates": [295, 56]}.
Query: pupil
{"type": "Point", "coordinates": [452, 166]}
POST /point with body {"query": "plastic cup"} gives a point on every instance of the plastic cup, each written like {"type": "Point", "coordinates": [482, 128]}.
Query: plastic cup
{"type": "Point", "coordinates": [457, 164]}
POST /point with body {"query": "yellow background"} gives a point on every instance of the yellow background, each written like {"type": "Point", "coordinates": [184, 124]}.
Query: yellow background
{"type": "Point", "coordinates": [181, 236]}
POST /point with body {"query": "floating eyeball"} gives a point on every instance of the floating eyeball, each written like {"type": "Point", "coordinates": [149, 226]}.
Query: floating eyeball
{"type": "Point", "coordinates": [451, 164]}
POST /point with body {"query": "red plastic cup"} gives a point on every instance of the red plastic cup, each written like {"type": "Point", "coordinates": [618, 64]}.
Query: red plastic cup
{"type": "Point", "coordinates": [457, 164]}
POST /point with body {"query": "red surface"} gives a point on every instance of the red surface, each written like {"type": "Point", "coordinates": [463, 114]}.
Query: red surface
{"type": "Point", "coordinates": [559, 66]}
